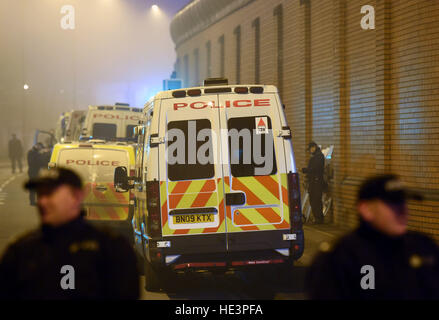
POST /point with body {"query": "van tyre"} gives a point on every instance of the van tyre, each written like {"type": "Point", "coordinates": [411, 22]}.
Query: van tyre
{"type": "Point", "coordinates": [152, 278]}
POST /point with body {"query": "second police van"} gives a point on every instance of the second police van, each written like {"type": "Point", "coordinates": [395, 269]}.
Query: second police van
{"type": "Point", "coordinates": [216, 185]}
{"type": "Point", "coordinates": [110, 123]}
{"type": "Point", "coordinates": [95, 162]}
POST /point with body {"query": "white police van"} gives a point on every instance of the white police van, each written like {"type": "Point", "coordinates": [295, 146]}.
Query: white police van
{"type": "Point", "coordinates": [216, 185]}
{"type": "Point", "coordinates": [110, 123]}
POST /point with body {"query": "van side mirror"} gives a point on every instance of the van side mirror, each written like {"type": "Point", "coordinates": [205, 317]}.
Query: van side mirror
{"type": "Point", "coordinates": [121, 179]}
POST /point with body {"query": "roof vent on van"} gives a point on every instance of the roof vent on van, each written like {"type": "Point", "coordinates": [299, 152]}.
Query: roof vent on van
{"type": "Point", "coordinates": [216, 82]}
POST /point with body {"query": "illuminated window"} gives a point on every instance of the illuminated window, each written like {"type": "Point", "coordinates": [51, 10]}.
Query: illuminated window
{"type": "Point", "coordinates": [237, 33]}
{"type": "Point", "coordinates": [257, 26]}
{"type": "Point", "coordinates": [186, 71]}
{"type": "Point", "coordinates": [209, 58]}
{"type": "Point", "coordinates": [222, 44]}
{"type": "Point", "coordinates": [278, 13]}
{"type": "Point", "coordinates": [177, 68]}
{"type": "Point", "coordinates": [196, 81]}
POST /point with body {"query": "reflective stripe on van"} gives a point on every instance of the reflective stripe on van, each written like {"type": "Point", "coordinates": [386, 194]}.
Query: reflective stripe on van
{"type": "Point", "coordinates": [189, 194]}
{"type": "Point", "coordinates": [262, 210]}
{"type": "Point", "coordinates": [110, 205]}
{"type": "Point", "coordinates": [260, 192]}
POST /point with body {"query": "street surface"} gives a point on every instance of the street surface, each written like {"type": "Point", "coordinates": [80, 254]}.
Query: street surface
{"type": "Point", "coordinates": [17, 216]}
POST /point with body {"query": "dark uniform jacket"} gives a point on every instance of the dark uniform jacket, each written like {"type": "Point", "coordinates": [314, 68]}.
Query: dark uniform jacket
{"type": "Point", "coordinates": [316, 167]}
{"type": "Point", "coordinates": [406, 267]}
{"type": "Point", "coordinates": [35, 163]}
{"type": "Point", "coordinates": [104, 265]}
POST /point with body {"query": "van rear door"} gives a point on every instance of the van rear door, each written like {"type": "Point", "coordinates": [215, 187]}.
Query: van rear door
{"type": "Point", "coordinates": [96, 167]}
{"type": "Point", "coordinates": [255, 177]}
{"type": "Point", "coordinates": [192, 181]}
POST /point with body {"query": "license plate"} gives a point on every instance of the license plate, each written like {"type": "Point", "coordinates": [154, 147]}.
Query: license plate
{"type": "Point", "coordinates": [193, 218]}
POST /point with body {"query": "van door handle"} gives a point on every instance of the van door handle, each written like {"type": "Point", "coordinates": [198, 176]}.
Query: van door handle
{"type": "Point", "coordinates": [235, 199]}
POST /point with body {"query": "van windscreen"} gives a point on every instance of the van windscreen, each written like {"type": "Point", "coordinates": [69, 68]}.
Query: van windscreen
{"type": "Point", "coordinates": [251, 147]}
{"type": "Point", "coordinates": [104, 131]}
{"type": "Point", "coordinates": [189, 150]}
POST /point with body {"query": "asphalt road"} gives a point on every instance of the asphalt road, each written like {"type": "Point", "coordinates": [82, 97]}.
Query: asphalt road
{"type": "Point", "coordinates": [17, 216]}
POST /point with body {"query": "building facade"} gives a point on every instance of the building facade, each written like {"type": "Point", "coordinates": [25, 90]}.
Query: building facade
{"type": "Point", "coordinates": [373, 94]}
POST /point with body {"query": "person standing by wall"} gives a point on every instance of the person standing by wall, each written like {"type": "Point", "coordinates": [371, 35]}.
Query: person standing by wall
{"type": "Point", "coordinates": [15, 150]}
{"type": "Point", "coordinates": [314, 172]}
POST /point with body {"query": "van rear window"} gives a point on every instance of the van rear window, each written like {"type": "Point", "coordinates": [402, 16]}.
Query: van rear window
{"type": "Point", "coordinates": [251, 149]}
{"type": "Point", "coordinates": [184, 150]}
{"type": "Point", "coordinates": [104, 131]}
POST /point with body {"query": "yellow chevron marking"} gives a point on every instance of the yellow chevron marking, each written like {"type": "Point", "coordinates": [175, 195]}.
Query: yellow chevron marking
{"type": "Point", "coordinates": [262, 192]}
{"type": "Point", "coordinates": [258, 189]}
{"type": "Point", "coordinates": [253, 216]}
{"type": "Point", "coordinates": [166, 230]}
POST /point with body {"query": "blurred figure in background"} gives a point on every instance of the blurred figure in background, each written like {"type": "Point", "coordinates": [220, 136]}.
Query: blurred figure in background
{"type": "Point", "coordinates": [314, 173]}
{"type": "Point", "coordinates": [66, 258]}
{"type": "Point", "coordinates": [35, 163]}
{"type": "Point", "coordinates": [380, 259]}
{"type": "Point", "coordinates": [15, 150]}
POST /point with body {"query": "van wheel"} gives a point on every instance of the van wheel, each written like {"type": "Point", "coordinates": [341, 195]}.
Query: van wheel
{"type": "Point", "coordinates": [152, 279]}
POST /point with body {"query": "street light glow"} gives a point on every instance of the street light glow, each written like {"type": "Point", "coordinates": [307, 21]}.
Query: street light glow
{"type": "Point", "coordinates": [25, 87]}
{"type": "Point", "coordinates": [155, 8]}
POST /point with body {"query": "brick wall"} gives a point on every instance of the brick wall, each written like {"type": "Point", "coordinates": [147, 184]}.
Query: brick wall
{"type": "Point", "coordinates": [372, 93]}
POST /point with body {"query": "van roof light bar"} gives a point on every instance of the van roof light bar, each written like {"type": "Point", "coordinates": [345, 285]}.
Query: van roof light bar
{"type": "Point", "coordinates": [257, 89]}
{"type": "Point", "coordinates": [179, 94]}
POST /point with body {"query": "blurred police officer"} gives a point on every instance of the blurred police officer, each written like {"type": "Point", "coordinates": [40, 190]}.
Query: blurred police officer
{"type": "Point", "coordinates": [66, 258]}
{"type": "Point", "coordinates": [380, 259]}
{"type": "Point", "coordinates": [314, 172]}
{"type": "Point", "coordinates": [35, 164]}
{"type": "Point", "coordinates": [15, 150]}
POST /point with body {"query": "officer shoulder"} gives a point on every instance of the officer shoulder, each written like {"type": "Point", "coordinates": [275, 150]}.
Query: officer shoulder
{"type": "Point", "coordinates": [340, 247]}
{"type": "Point", "coordinates": [417, 238]}
{"type": "Point", "coordinates": [24, 239]}
{"type": "Point", "coordinates": [106, 235]}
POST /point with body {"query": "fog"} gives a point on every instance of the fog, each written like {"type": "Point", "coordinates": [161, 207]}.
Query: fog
{"type": "Point", "coordinates": [119, 51]}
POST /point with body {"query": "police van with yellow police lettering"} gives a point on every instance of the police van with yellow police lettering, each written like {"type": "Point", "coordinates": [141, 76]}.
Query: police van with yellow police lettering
{"type": "Point", "coordinates": [216, 185]}
{"type": "Point", "coordinates": [95, 161]}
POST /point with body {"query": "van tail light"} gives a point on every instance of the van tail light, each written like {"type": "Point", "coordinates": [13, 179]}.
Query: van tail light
{"type": "Point", "coordinates": [294, 201]}
{"type": "Point", "coordinates": [153, 207]}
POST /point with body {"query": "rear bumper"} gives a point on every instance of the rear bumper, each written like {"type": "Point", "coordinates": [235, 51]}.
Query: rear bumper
{"type": "Point", "coordinates": [235, 250]}
{"type": "Point", "coordinates": [227, 261]}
